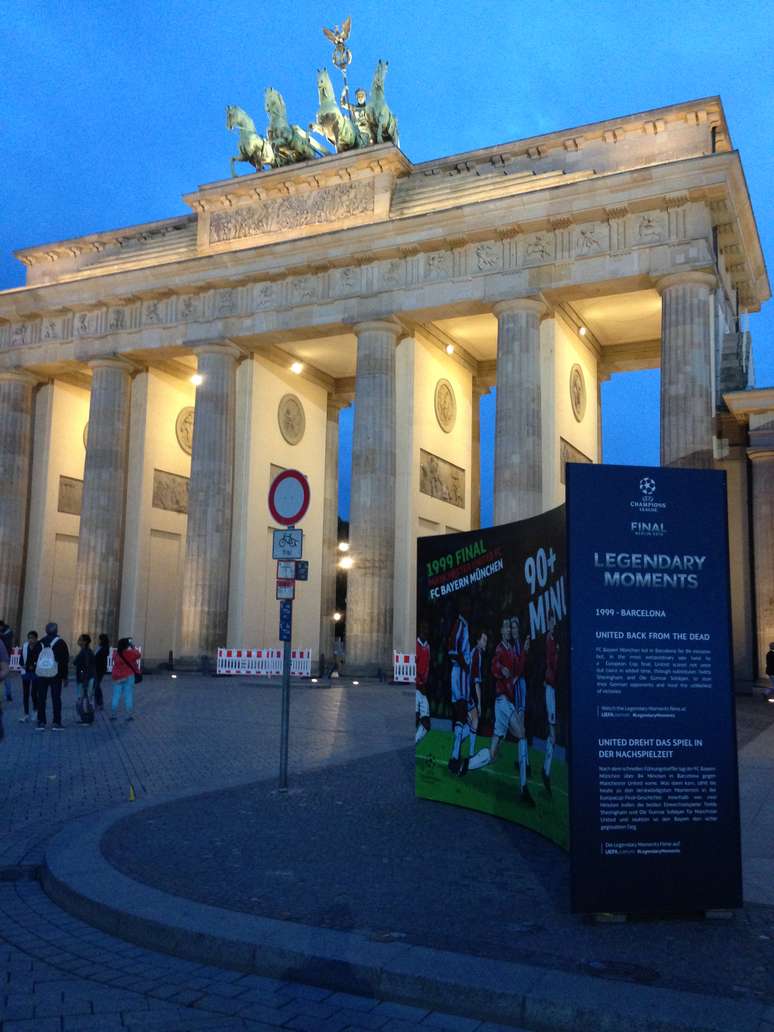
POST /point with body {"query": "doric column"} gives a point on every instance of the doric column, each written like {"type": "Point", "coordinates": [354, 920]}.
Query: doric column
{"type": "Point", "coordinates": [686, 369]}
{"type": "Point", "coordinates": [372, 504]}
{"type": "Point", "coordinates": [101, 535]}
{"type": "Point", "coordinates": [330, 533]}
{"type": "Point", "coordinates": [763, 546]}
{"type": "Point", "coordinates": [475, 456]}
{"type": "Point", "coordinates": [15, 461]}
{"type": "Point", "coordinates": [204, 617]}
{"type": "Point", "coordinates": [518, 465]}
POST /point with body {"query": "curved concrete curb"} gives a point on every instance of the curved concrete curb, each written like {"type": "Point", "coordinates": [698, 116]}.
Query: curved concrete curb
{"type": "Point", "coordinates": [78, 878]}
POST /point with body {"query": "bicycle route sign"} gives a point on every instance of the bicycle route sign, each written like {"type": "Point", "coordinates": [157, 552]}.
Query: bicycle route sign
{"type": "Point", "coordinates": [287, 544]}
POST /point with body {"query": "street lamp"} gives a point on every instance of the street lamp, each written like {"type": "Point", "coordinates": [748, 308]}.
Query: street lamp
{"type": "Point", "coordinates": [197, 379]}
{"type": "Point", "coordinates": [343, 546]}
{"type": "Point", "coordinates": [336, 617]}
{"type": "Point", "coordinates": [347, 562]}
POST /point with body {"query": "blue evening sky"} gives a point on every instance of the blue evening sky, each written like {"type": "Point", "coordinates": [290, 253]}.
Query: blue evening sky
{"type": "Point", "coordinates": [111, 110]}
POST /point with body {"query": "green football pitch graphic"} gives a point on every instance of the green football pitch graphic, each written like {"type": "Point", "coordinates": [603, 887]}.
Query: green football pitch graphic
{"type": "Point", "coordinates": [495, 789]}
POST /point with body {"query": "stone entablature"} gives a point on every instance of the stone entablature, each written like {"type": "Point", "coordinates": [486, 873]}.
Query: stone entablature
{"type": "Point", "coordinates": [249, 211]}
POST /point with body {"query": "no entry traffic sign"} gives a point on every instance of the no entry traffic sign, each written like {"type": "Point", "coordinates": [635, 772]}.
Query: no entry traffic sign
{"type": "Point", "coordinates": [289, 497]}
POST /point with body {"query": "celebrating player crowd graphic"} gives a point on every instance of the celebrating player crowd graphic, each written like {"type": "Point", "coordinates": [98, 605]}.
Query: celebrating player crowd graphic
{"type": "Point", "coordinates": [488, 658]}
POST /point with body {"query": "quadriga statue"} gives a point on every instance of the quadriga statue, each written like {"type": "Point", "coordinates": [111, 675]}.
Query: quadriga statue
{"type": "Point", "coordinates": [290, 142]}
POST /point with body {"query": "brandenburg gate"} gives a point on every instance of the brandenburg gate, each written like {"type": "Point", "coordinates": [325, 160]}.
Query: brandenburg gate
{"type": "Point", "coordinates": [154, 379]}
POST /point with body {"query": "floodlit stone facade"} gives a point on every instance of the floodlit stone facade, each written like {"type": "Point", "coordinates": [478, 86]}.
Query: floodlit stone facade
{"type": "Point", "coordinates": [135, 500]}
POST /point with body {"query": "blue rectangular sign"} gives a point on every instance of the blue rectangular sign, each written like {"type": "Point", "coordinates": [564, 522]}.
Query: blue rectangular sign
{"type": "Point", "coordinates": [285, 620]}
{"type": "Point", "coordinates": [654, 800]}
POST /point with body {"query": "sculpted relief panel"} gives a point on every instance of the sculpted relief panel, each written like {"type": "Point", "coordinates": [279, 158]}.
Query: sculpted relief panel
{"type": "Point", "coordinates": [170, 491]}
{"type": "Point", "coordinates": [441, 479]}
{"type": "Point", "coordinates": [327, 204]}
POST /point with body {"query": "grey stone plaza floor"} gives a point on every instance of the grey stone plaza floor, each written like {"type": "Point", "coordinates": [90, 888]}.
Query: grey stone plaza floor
{"type": "Point", "coordinates": [348, 851]}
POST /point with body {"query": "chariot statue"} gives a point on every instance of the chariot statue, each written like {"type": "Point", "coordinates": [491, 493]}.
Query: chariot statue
{"type": "Point", "coordinates": [349, 126]}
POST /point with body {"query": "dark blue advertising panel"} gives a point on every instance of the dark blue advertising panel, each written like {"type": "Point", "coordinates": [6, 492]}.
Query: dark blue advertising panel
{"type": "Point", "coordinates": [492, 666]}
{"type": "Point", "coordinates": [654, 802]}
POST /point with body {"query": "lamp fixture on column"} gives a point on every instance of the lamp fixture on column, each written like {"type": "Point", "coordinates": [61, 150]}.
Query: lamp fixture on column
{"type": "Point", "coordinates": [197, 379]}
{"type": "Point", "coordinates": [582, 331]}
{"type": "Point", "coordinates": [343, 546]}
{"type": "Point", "coordinates": [336, 617]}
{"type": "Point", "coordinates": [449, 349]}
{"type": "Point", "coordinates": [297, 367]}
{"type": "Point", "coordinates": [347, 562]}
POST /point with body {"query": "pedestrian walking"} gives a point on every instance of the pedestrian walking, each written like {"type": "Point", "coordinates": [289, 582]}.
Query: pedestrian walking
{"type": "Point", "coordinates": [29, 658]}
{"type": "Point", "coordinates": [85, 672]}
{"type": "Point", "coordinates": [770, 671]}
{"type": "Point", "coordinates": [5, 669]}
{"type": "Point", "coordinates": [126, 674]}
{"type": "Point", "coordinates": [6, 637]}
{"type": "Point", "coordinates": [51, 672]}
{"type": "Point", "coordinates": [101, 657]}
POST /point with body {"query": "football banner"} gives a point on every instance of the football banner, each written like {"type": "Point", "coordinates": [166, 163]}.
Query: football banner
{"type": "Point", "coordinates": [654, 792]}
{"type": "Point", "coordinates": [492, 672]}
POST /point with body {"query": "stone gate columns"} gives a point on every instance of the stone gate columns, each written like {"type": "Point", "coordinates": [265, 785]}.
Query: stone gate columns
{"type": "Point", "coordinates": [101, 535]}
{"type": "Point", "coordinates": [15, 461]}
{"type": "Point", "coordinates": [204, 615]}
{"type": "Point", "coordinates": [372, 505]}
{"type": "Point", "coordinates": [330, 531]}
{"type": "Point", "coordinates": [518, 461]}
{"type": "Point", "coordinates": [763, 545]}
{"type": "Point", "coordinates": [687, 405]}
{"type": "Point", "coordinates": [475, 456]}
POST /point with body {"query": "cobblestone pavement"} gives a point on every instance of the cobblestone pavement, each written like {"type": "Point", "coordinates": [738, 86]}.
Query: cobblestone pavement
{"type": "Point", "coordinates": [189, 733]}
{"type": "Point", "coordinates": [399, 868]}
{"type": "Point", "coordinates": [57, 973]}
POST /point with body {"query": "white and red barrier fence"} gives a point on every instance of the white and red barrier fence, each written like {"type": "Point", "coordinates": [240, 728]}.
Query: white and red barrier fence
{"type": "Point", "coordinates": [263, 662]}
{"type": "Point", "coordinates": [404, 667]}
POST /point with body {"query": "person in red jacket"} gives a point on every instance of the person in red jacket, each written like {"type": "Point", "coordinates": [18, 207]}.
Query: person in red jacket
{"type": "Point", "coordinates": [423, 676]}
{"type": "Point", "coordinates": [549, 681]}
{"type": "Point", "coordinates": [507, 667]}
{"type": "Point", "coordinates": [126, 668]}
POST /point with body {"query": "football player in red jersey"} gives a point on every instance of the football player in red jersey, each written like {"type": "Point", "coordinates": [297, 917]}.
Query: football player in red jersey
{"type": "Point", "coordinates": [423, 675]}
{"type": "Point", "coordinates": [549, 680]}
{"type": "Point", "coordinates": [507, 666]}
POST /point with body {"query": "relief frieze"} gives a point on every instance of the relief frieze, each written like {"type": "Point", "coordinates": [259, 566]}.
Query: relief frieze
{"type": "Point", "coordinates": [170, 491]}
{"type": "Point", "coordinates": [441, 479]}
{"type": "Point", "coordinates": [328, 204]}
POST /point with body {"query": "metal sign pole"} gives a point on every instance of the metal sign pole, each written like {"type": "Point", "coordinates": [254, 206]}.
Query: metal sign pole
{"type": "Point", "coordinates": [285, 725]}
{"type": "Point", "coordinates": [285, 721]}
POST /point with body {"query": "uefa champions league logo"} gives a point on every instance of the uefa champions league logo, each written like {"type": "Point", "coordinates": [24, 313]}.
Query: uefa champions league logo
{"type": "Point", "coordinates": [648, 486]}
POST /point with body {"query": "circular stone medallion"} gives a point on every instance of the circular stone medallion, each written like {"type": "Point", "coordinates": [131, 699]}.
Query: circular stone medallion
{"type": "Point", "coordinates": [291, 418]}
{"type": "Point", "coordinates": [578, 392]}
{"type": "Point", "coordinates": [445, 406]}
{"type": "Point", "coordinates": [184, 427]}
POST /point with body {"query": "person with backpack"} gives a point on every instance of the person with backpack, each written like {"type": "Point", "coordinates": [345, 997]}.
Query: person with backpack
{"type": "Point", "coordinates": [51, 671]}
{"type": "Point", "coordinates": [85, 672]}
{"type": "Point", "coordinates": [101, 657]}
{"type": "Point", "coordinates": [126, 674]}
{"type": "Point", "coordinates": [29, 658]}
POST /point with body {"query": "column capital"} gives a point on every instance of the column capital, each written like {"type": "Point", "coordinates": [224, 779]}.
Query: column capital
{"type": "Point", "coordinates": [760, 454]}
{"type": "Point", "coordinates": [112, 362]}
{"type": "Point", "coordinates": [687, 279]}
{"type": "Point", "coordinates": [530, 305]}
{"type": "Point", "coordinates": [21, 376]}
{"type": "Point", "coordinates": [218, 347]}
{"type": "Point", "coordinates": [380, 326]}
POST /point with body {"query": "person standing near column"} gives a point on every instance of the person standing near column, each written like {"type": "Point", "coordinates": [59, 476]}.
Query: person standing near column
{"type": "Point", "coordinates": [29, 658]}
{"type": "Point", "coordinates": [6, 636]}
{"type": "Point", "coordinates": [126, 673]}
{"type": "Point", "coordinates": [51, 671]}
{"type": "Point", "coordinates": [770, 671]}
